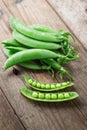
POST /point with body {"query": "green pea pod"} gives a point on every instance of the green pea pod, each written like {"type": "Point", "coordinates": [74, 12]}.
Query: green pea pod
{"type": "Point", "coordinates": [11, 42]}
{"type": "Point", "coordinates": [27, 64]}
{"type": "Point", "coordinates": [16, 48]}
{"type": "Point", "coordinates": [42, 28]}
{"type": "Point", "coordinates": [42, 36]}
{"type": "Point", "coordinates": [29, 54]}
{"type": "Point", "coordinates": [48, 97]}
{"type": "Point", "coordinates": [34, 43]}
{"type": "Point", "coordinates": [46, 86]}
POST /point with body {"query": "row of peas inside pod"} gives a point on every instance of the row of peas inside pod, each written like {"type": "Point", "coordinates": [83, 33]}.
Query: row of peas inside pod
{"type": "Point", "coordinates": [45, 91]}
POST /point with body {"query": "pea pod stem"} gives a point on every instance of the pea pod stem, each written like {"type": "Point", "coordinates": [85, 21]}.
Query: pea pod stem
{"type": "Point", "coordinates": [58, 67]}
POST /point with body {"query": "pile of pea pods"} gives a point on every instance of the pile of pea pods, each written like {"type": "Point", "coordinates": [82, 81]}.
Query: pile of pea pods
{"type": "Point", "coordinates": [39, 47]}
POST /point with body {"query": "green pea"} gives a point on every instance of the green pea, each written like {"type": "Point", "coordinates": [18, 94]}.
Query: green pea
{"type": "Point", "coordinates": [66, 95]}
{"type": "Point", "coordinates": [41, 95]}
{"type": "Point", "coordinates": [34, 83]}
{"type": "Point", "coordinates": [63, 84]}
{"type": "Point", "coordinates": [57, 85]}
{"type": "Point", "coordinates": [54, 96]}
{"type": "Point", "coordinates": [42, 86]}
{"type": "Point", "coordinates": [30, 81]}
{"type": "Point", "coordinates": [53, 86]}
{"type": "Point", "coordinates": [35, 94]}
{"type": "Point", "coordinates": [47, 96]}
{"type": "Point", "coordinates": [60, 96]}
{"type": "Point", "coordinates": [47, 86]}
{"type": "Point", "coordinates": [38, 85]}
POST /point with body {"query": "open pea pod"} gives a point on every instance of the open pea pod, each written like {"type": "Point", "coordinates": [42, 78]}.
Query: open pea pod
{"type": "Point", "coordinates": [48, 97]}
{"type": "Point", "coordinates": [45, 86]}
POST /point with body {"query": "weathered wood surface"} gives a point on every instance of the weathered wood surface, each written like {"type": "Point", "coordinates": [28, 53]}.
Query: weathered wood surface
{"type": "Point", "coordinates": [35, 115]}
{"type": "Point", "coordinates": [74, 14]}
{"type": "Point", "coordinates": [8, 118]}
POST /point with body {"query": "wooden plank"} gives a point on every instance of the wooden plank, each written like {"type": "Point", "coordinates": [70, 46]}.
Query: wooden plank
{"type": "Point", "coordinates": [36, 115]}
{"type": "Point", "coordinates": [8, 119]}
{"type": "Point", "coordinates": [74, 14]}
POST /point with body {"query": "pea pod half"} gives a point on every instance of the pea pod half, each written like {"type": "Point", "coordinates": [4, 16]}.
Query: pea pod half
{"type": "Point", "coordinates": [48, 97]}
{"type": "Point", "coordinates": [45, 86]}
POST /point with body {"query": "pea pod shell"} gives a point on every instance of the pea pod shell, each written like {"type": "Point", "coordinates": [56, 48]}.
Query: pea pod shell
{"type": "Point", "coordinates": [28, 94]}
{"type": "Point", "coordinates": [60, 85]}
{"type": "Point", "coordinates": [27, 64]}
{"type": "Point", "coordinates": [34, 43]}
{"type": "Point", "coordinates": [42, 28]}
{"type": "Point", "coordinates": [30, 54]}
{"type": "Point", "coordinates": [20, 27]}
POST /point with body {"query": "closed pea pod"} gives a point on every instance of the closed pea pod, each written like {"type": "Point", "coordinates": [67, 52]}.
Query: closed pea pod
{"type": "Point", "coordinates": [27, 64]}
{"type": "Point", "coordinates": [16, 48]}
{"type": "Point", "coordinates": [19, 26]}
{"type": "Point", "coordinates": [42, 28]}
{"type": "Point", "coordinates": [12, 42]}
{"type": "Point", "coordinates": [45, 86]}
{"type": "Point", "coordinates": [34, 43]}
{"type": "Point", "coordinates": [26, 55]}
{"type": "Point", "coordinates": [48, 97]}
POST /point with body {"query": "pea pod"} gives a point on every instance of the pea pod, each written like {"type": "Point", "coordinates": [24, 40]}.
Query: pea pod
{"type": "Point", "coordinates": [42, 36]}
{"type": "Point", "coordinates": [48, 97]}
{"type": "Point", "coordinates": [27, 64]}
{"type": "Point", "coordinates": [12, 42]}
{"type": "Point", "coordinates": [42, 28]}
{"type": "Point", "coordinates": [29, 54]}
{"type": "Point", "coordinates": [45, 86]}
{"type": "Point", "coordinates": [16, 48]}
{"type": "Point", "coordinates": [34, 43]}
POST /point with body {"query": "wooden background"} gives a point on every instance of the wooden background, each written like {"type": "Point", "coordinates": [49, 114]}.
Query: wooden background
{"type": "Point", "coordinates": [18, 113]}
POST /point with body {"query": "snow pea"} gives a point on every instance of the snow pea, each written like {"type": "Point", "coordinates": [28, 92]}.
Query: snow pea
{"type": "Point", "coordinates": [42, 36]}
{"type": "Point", "coordinates": [42, 28]}
{"type": "Point", "coordinates": [34, 43]}
{"type": "Point", "coordinates": [29, 54]}
{"type": "Point", "coordinates": [11, 42]}
{"type": "Point", "coordinates": [16, 48]}
{"type": "Point", "coordinates": [27, 64]}
{"type": "Point", "coordinates": [46, 86]}
{"type": "Point", "coordinates": [48, 97]}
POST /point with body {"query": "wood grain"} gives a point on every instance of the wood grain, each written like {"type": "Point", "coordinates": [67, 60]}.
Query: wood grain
{"type": "Point", "coordinates": [35, 115]}
{"type": "Point", "coordinates": [8, 119]}
{"type": "Point", "coordinates": [74, 14]}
